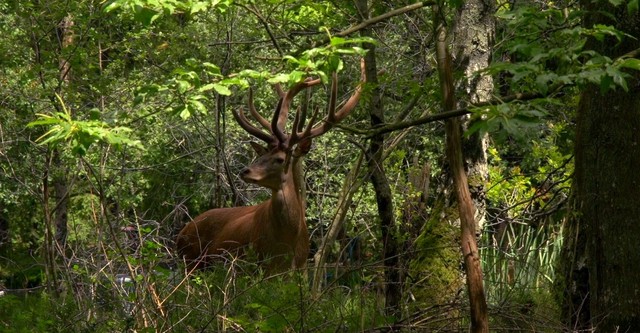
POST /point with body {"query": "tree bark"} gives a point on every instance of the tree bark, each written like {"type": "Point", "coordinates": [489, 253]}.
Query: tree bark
{"type": "Point", "coordinates": [384, 198]}
{"type": "Point", "coordinates": [601, 259]}
{"type": "Point", "coordinates": [60, 181]}
{"type": "Point", "coordinates": [473, 37]}
{"type": "Point", "coordinates": [453, 129]}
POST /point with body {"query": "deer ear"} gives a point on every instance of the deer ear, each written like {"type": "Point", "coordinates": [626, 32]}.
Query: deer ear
{"type": "Point", "coordinates": [258, 148]}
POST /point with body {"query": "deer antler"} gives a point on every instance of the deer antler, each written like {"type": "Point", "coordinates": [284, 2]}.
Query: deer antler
{"type": "Point", "coordinates": [255, 114]}
{"type": "Point", "coordinates": [277, 136]}
{"type": "Point", "coordinates": [334, 117]}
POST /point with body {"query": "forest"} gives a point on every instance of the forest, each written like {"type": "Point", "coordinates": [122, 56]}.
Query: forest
{"type": "Point", "coordinates": [434, 166]}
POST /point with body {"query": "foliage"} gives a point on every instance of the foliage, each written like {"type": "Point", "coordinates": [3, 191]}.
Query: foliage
{"type": "Point", "coordinates": [148, 11]}
{"type": "Point", "coordinates": [139, 132]}
{"type": "Point", "coordinates": [81, 133]}
{"type": "Point", "coordinates": [546, 66]}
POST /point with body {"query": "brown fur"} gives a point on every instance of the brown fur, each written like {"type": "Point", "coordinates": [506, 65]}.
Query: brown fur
{"type": "Point", "coordinates": [276, 228]}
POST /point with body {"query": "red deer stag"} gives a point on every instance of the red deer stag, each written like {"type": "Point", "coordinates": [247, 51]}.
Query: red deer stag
{"type": "Point", "coordinates": [276, 228]}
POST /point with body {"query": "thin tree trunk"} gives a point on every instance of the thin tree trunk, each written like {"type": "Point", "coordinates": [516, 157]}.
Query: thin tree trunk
{"type": "Point", "coordinates": [473, 37]}
{"type": "Point", "coordinates": [60, 181]}
{"type": "Point", "coordinates": [384, 198]}
{"type": "Point", "coordinates": [49, 237]}
{"type": "Point", "coordinates": [352, 182]}
{"type": "Point", "coordinates": [477, 302]}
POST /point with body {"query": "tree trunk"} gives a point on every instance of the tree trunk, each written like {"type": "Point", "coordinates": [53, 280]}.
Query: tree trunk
{"type": "Point", "coordinates": [352, 183]}
{"type": "Point", "coordinates": [384, 198]}
{"type": "Point", "coordinates": [601, 259]}
{"type": "Point", "coordinates": [453, 129]}
{"type": "Point", "coordinates": [473, 37]}
{"type": "Point", "coordinates": [60, 182]}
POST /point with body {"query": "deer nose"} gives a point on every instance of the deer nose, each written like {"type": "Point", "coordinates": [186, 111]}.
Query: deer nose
{"type": "Point", "coordinates": [245, 172]}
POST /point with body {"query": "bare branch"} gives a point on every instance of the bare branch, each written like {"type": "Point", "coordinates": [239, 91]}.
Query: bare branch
{"type": "Point", "coordinates": [385, 16]}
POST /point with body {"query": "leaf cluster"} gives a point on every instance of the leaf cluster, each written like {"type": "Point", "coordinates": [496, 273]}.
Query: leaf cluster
{"type": "Point", "coordinates": [81, 134]}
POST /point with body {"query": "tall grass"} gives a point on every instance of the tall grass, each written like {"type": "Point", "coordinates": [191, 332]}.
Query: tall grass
{"type": "Point", "coordinates": [519, 271]}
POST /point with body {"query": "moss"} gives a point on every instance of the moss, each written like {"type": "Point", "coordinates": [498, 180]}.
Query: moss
{"type": "Point", "coordinates": [476, 180]}
{"type": "Point", "coordinates": [434, 273]}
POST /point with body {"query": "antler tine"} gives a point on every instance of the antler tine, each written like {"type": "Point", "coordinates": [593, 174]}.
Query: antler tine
{"type": "Point", "coordinates": [280, 117]}
{"type": "Point", "coordinates": [276, 129]}
{"type": "Point", "coordinates": [278, 88]}
{"type": "Point", "coordinates": [296, 124]}
{"type": "Point", "coordinates": [297, 136]}
{"type": "Point", "coordinates": [309, 127]}
{"type": "Point", "coordinates": [334, 117]}
{"type": "Point", "coordinates": [244, 123]}
{"type": "Point", "coordinates": [255, 114]}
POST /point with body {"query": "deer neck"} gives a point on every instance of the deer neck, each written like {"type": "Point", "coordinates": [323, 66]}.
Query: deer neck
{"type": "Point", "coordinates": [286, 201]}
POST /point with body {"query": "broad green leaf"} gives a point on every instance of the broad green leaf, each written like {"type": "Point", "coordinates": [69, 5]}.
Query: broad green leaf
{"type": "Point", "coordinates": [543, 80]}
{"type": "Point", "coordinates": [222, 89]}
{"type": "Point", "coordinates": [206, 87]}
{"type": "Point", "coordinates": [606, 82]}
{"type": "Point", "coordinates": [183, 112]}
{"type": "Point", "coordinates": [632, 63]}
{"type": "Point", "coordinates": [211, 68]}
{"type": "Point", "coordinates": [279, 78]}
{"type": "Point", "coordinates": [619, 78]}
{"type": "Point", "coordinates": [183, 85]}
{"type": "Point", "coordinates": [145, 15]}
{"type": "Point", "coordinates": [336, 41]}
{"type": "Point", "coordinates": [291, 59]}
{"type": "Point", "coordinates": [235, 81]}
{"type": "Point", "coordinates": [199, 6]}
{"type": "Point", "coordinates": [480, 126]}
{"type": "Point", "coordinates": [296, 76]}
{"type": "Point", "coordinates": [111, 6]}
{"type": "Point", "coordinates": [198, 106]}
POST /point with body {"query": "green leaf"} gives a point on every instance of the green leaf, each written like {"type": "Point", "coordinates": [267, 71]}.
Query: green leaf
{"type": "Point", "coordinates": [606, 82]}
{"type": "Point", "coordinates": [296, 76]}
{"type": "Point", "coordinates": [543, 80]}
{"type": "Point", "coordinates": [632, 63]}
{"type": "Point", "coordinates": [279, 78]}
{"type": "Point", "coordinates": [221, 89]}
{"type": "Point", "coordinates": [111, 6]}
{"type": "Point", "coordinates": [197, 106]}
{"type": "Point", "coordinates": [235, 81]}
{"type": "Point", "coordinates": [206, 87]}
{"type": "Point", "coordinates": [183, 112]}
{"type": "Point", "coordinates": [621, 81]}
{"type": "Point", "coordinates": [480, 126]}
{"type": "Point", "coordinates": [44, 120]}
{"type": "Point", "coordinates": [336, 41]}
{"type": "Point", "coordinates": [211, 68]}
{"type": "Point", "coordinates": [291, 59]}
{"type": "Point", "coordinates": [198, 7]}
{"type": "Point", "coordinates": [334, 64]}
{"type": "Point", "coordinates": [145, 15]}
{"type": "Point", "coordinates": [183, 85]}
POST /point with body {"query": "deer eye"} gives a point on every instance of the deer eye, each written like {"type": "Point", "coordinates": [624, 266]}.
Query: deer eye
{"type": "Point", "coordinates": [279, 160]}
